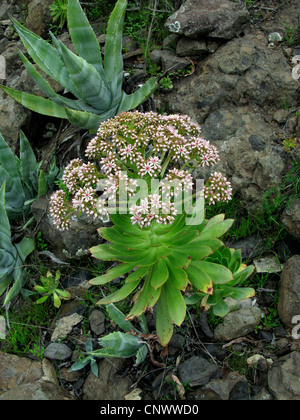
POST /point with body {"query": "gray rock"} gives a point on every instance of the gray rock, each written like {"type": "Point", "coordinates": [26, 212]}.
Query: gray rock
{"type": "Point", "coordinates": [240, 392]}
{"type": "Point", "coordinates": [13, 61]}
{"type": "Point", "coordinates": [250, 247]}
{"type": "Point", "coordinates": [77, 284]}
{"type": "Point", "coordinates": [41, 390]}
{"type": "Point", "coordinates": [97, 322]}
{"type": "Point", "coordinates": [228, 95]}
{"type": "Point", "coordinates": [240, 72]}
{"type": "Point", "coordinates": [238, 323]}
{"type": "Point", "coordinates": [289, 295]}
{"type": "Point", "coordinates": [291, 218]}
{"type": "Point", "coordinates": [187, 47]}
{"type": "Point", "coordinates": [252, 170]}
{"type": "Point", "coordinates": [39, 18]}
{"type": "Point", "coordinates": [65, 325]}
{"type": "Point", "coordinates": [16, 371]}
{"type": "Point", "coordinates": [72, 243]}
{"type": "Point", "coordinates": [281, 116]}
{"type": "Point", "coordinates": [216, 18]}
{"type": "Point", "coordinates": [58, 351]}
{"type": "Point", "coordinates": [169, 60]}
{"type": "Point", "coordinates": [13, 116]}
{"type": "Point", "coordinates": [283, 377]}
{"type": "Point", "coordinates": [7, 8]}
{"type": "Point", "coordinates": [223, 387]}
{"type": "Point", "coordinates": [267, 264]}
{"type": "Point", "coordinates": [110, 383]}
{"type": "Point", "coordinates": [263, 395]}
{"type": "Point", "coordinates": [198, 371]}
{"type": "Point", "coordinates": [170, 42]}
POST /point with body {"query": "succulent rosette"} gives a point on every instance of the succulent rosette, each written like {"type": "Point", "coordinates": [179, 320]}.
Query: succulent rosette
{"type": "Point", "coordinates": [163, 251]}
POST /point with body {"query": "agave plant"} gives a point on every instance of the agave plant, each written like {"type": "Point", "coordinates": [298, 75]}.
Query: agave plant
{"type": "Point", "coordinates": [116, 344]}
{"type": "Point", "coordinates": [25, 180]}
{"type": "Point", "coordinates": [96, 86]}
{"type": "Point", "coordinates": [12, 257]}
{"type": "Point", "coordinates": [162, 261]}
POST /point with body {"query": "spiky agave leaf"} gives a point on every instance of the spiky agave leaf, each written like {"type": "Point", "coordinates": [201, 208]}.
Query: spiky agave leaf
{"type": "Point", "coordinates": [160, 261]}
{"type": "Point", "coordinates": [12, 256]}
{"type": "Point", "coordinates": [9, 173]}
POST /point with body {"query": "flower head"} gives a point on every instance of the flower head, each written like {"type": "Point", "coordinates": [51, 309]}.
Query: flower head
{"type": "Point", "coordinates": [136, 145]}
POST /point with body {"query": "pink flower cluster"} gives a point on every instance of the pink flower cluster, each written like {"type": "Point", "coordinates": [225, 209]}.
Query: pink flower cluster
{"type": "Point", "coordinates": [59, 210]}
{"type": "Point", "coordinates": [152, 208]}
{"type": "Point", "coordinates": [175, 182]}
{"type": "Point", "coordinates": [217, 189]}
{"type": "Point", "coordinates": [126, 138]}
{"type": "Point", "coordinates": [134, 146]}
{"type": "Point", "coordinates": [78, 174]}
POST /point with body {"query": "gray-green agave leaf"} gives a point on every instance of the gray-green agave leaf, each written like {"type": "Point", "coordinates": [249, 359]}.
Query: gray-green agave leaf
{"type": "Point", "coordinates": [95, 83]}
{"type": "Point", "coordinates": [12, 257]}
{"type": "Point", "coordinates": [24, 179]}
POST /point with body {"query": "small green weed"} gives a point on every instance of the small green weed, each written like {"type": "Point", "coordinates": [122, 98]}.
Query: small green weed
{"type": "Point", "coordinates": [58, 11]}
{"type": "Point", "coordinates": [50, 288]}
{"type": "Point", "coordinates": [290, 34]}
{"type": "Point", "coordinates": [237, 360]}
{"type": "Point", "coordinates": [23, 329]}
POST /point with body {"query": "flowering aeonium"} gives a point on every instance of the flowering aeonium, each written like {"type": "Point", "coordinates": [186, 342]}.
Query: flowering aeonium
{"type": "Point", "coordinates": [160, 150]}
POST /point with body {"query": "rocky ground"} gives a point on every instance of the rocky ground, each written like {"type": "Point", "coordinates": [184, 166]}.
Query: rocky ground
{"type": "Point", "coordinates": [239, 88]}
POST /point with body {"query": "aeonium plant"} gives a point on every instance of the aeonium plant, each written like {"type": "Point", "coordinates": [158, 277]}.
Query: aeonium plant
{"type": "Point", "coordinates": [159, 236]}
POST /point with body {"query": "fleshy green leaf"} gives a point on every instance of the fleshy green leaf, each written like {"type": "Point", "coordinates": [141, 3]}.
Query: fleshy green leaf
{"type": "Point", "coordinates": [240, 276]}
{"type": "Point", "coordinates": [175, 303]}
{"type": "Point", "coordinates": [147, 299]}
{"type": "Point", "coordinates": [159, 274]}
{"type": "Point", "coordinates": [240, 293]}
{"type": "Point", "coordinates": [199, 278]}
{"type": "Point", "coordinates": [119, 318]}
{"type": "Point", "coordinates": [83, 36]}
{"type": "Point", "coordinates": [177, 259]}
{"type": "Point", "coordinates": [113, 273]}
{"type": "Point", "coordinates": [102, 252]}
{"type": "Point", "coordinates": [193, 251]}
{"type": "Point", "coordinates": [120, 294]}
{"type": "Point", "coordinates": [113, 61]}
{"type": "Point", "coordinates": [89, 84]}
{"type": "Point", "coordinates": [164, 326]}
{"type": "Point", "coordinates": [220, 308]}
{"type": "Point", "coordinates": [131, 101]}
{"type": "Point", "coordinates": [177, 277]}
{"type": "Point", "coordinates": [42, 299]}
{"type": "Point", "coordinates": [118, 344]}
{"type": "Point", "coordinates": [27, 157]}
{"type": "Point", "coordinates": [218, 273]}
{"type": "Point", "coordinates": [86, 119]}
{"type": "Point", "coordinates": [36, 103]}
{"type": "Point", "coordinates": [45, 56]}
{"type": "Point", "coordinates": [139, 273]}
{"type": "Point", "coordinates": [56, 300]}
{"type": "Point", "coordinates": [5, 233]}
{"type": "Point", "coordinates": [216, 230]}
{"type": "Point", "coordinates": [212, 243]}
{"type": "Point", "coordinates": [25, 247]}
{"type": "Point", "coordinates": [141, 354]}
